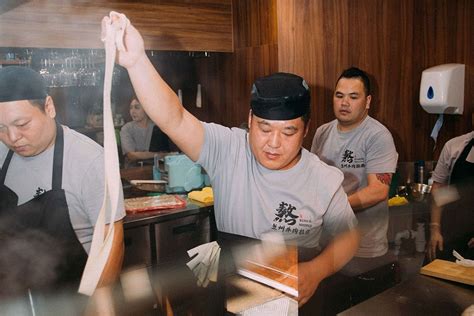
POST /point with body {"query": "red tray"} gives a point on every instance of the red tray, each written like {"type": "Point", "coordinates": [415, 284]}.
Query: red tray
{"type": "Point", "coordinates": [151, 203]}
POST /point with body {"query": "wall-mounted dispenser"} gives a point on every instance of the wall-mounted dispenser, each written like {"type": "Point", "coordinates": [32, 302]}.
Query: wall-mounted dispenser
{"type": "Point", "coordinates": [442, 89]}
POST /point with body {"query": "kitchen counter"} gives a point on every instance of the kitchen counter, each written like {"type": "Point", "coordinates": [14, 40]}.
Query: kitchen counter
{"type": "Point", "coordinates": [153, 237]}
{"type": "Point", "coordinates": [149, 217]}
{"type": "Point", "coordinates": [159, 216]}
{"type": "Point", "coordinates": [406, 216]}
{"type": "Point", "coordinates": [420, 295]}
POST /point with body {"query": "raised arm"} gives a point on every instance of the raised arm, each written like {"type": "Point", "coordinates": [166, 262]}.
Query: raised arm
{"type": "Point", "coordinates": [157, 98]}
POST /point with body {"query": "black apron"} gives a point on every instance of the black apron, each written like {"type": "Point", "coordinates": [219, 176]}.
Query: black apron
{"type": "Point", "coordinates": [457, 223]}
{"type": "Point", "coordinates": [39, 249]}
{"type": "Point", "coordinates": [159, 141]}
{"type": "Point", "coordinates": [463, 171]}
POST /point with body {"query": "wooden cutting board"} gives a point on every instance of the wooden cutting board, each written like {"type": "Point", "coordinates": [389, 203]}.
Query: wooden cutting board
{"type": "Point", "coordinates": [450, 271]}
{"type": "Point", "coordinates": [276, 272]}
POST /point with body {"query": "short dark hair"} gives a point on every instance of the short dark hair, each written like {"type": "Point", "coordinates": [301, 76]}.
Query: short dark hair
{"type": "Point", "coordinates": [354, 72]}
{"type": "Point", "coordinates": [21, 83]}
{"type": "Point", "coordinates": [39, 103]}
{"type": "Point", "coordinates": [134, 97]}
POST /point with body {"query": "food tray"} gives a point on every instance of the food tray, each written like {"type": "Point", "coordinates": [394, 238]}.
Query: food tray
{"type": "Point", "coordinates": [151, 203]}
{"type": "Point", "coordinates": [149, 185]}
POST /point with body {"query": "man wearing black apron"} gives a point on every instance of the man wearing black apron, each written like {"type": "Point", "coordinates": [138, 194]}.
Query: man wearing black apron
{"type": "Point", "coordinates": [45, 216]}
{"type": "Point", "coordinates": [455, 231]}
{"type": "Point", "coordinates": [40, 253]}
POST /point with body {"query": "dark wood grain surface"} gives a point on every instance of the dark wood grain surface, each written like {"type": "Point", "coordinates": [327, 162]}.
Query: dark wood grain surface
{"type": "Point", "coordinates": [228, 78]}
{"type": "Point", "coordinates": [394, 41]}
{"type": "Point", "coordinates": [165, 25]}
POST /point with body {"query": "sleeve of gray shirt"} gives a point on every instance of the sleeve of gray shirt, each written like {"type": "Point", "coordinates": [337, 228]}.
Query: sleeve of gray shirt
{"type": "Point", "coordinates": [442, 169]}
{"type": "Point", "coordinates": [126, 139]}
{"type": "Point", "coordinates": [339, 216]}
{"type": "Point", "coordinates": [381, 153]}
{"type": "Point", "coordinates": [314, 143]}
{"type": "Point", "coordinates": [3, 153]}
{"type": "Point", "coordinates": [214, 152]}
{"type": "Point", "coordinates": [92, 192]}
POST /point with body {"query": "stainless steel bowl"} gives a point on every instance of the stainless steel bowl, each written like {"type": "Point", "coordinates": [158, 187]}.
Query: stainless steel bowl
{"type": "Point", "coordinates": [419, 191]}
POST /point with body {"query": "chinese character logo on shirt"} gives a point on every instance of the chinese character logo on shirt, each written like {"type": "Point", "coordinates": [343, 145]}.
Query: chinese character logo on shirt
{"type": "Point", "coordinates": [284, 213]}
{"type": "Point", "coordinates": [39, 191]}
{"type": "Point", "coordinates": [348, 156]}
{"type": "Point", "coordinates": [350, 160]}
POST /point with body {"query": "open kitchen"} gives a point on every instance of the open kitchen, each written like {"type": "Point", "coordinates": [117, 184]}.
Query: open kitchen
{"type": "Point", "coordinates": [236, 157]}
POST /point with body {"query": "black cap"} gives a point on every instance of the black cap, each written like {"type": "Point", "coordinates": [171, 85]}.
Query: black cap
{"type": "Point", "coordinates": [280, 96]}
{"type": "Point", "coordinates": [21, 83]}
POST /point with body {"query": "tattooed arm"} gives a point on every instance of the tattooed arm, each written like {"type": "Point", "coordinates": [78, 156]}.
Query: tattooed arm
{"type": "Point", "coordinates": [375, 192]}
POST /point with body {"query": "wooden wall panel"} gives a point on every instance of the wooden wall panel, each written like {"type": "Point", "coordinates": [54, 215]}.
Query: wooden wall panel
{"type": "Point", "coordinates": [255, 55]}
{"type": "Point", "coordinates": [393, 41]}
{"type": "Point", "coordinates": [311, 43]}
{"type": "Point", "coordinates": [165, 25]}
{"type": "Point", "coordinates": [444, 34]}
{"type": "Point", "coordinates": [255, 23]}
{"type": "Point", "coordinates": [214, 93]}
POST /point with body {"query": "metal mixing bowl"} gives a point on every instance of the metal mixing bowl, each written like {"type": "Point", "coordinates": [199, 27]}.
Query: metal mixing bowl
{"type": "Point", "coordinates": [419, 191]}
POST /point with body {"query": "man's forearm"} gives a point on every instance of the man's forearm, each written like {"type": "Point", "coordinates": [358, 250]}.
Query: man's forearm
{"type": "Point", "coordinates": [337, 253]}
{"type": "Point", "coordinates": [376, 191]}
{"type": "Point", "coordinates": [113, 266]}
{"type": "Point", "coordinates": [367, 197]}
{"type": "Point", "coordinates": [157, 98]}
{"type": "Point", "coordinates": [436, 211]}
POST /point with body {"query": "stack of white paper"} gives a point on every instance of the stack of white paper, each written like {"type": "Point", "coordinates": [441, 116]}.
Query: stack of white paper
{"type": "Point", "coordinates": [205, 262]}
{"type": "Point", "coordinates": [283, 306]}
{"type": "Point", "coordinates": [461, 261]}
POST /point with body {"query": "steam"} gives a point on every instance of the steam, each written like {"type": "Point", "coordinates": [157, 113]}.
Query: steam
{"type": "Point", "coordinates": [28, 259]}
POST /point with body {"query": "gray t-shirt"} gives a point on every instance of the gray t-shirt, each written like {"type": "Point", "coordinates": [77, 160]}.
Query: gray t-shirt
{"type": "Point", "coordinates": [134, 138]}
{"type": "Point", "coordinates": [448, 157]}
{"type": "Point", "coordinates": [83, 180]}
{"type": "Point", "coordinates": [369, 148]}
{"type": "Point", "coordinates": [251, 200]}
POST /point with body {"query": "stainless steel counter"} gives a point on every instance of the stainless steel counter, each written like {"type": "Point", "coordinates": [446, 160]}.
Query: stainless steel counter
{"type": "Point", "coordinates": [420, 295]}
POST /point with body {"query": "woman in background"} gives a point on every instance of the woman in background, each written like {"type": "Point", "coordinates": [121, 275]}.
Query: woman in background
{"type": "Point", "coordinates": [140, 138]}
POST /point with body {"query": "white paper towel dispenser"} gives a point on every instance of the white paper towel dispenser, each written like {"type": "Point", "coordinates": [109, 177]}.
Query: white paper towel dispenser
{"type": "Point", "coordinates": [442, 89]}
